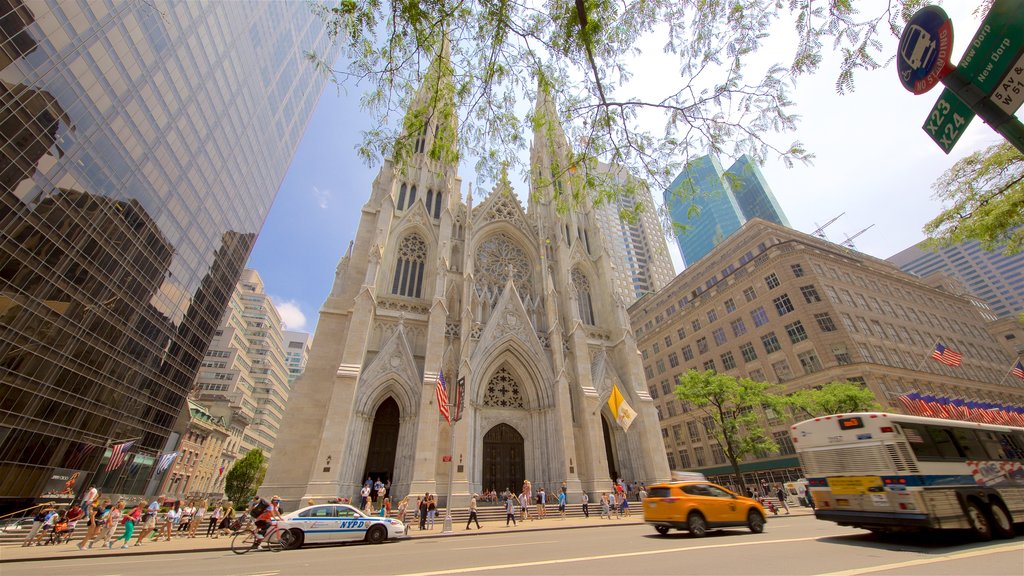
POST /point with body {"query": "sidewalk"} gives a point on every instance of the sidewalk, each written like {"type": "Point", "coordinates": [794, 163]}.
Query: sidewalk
{"type": "Point", "coordinates": [183, 545]}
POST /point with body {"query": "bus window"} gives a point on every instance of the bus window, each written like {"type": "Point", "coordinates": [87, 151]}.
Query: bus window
{"type": "Point", "coordinates": [969, 444]}
{"type": "Point", "coordinates": [944, 443]}
{"type": "Point", "coordinates": [920, 441]}
{"type": "Point", "coordinates": [1013, 445]}
{"type": "Point", "coordinates": [994, 448]}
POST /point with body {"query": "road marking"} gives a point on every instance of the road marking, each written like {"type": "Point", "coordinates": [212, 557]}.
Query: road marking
{"type": "Point", "coordinates": [508, 545]}
{"type": "Point", "coordinates": [621, 555]}
{"type": "Point", "coordinates": [943, 558]}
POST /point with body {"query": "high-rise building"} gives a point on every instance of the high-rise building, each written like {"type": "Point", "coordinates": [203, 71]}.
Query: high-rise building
{"type": "Point", "coordinates": [640, 258]}
{"type": "Point", "coordinates": [296, 353]}
{"type": "Point", "coordinates": [994, 277]}
{"type": "Point", "coordinates": [512, 303]}
{"type": "Point", "coordinates": [725, 200]}
{"type": "Point", "coordinates": [244, 377]}
{"type": "Point", "coordinates": [780, 306]}
{"type": "Point", "coordinates": [141, 145]}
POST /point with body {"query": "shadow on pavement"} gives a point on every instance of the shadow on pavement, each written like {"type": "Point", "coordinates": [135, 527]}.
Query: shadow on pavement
{"type": "Point", "coordinates": [939, 542]}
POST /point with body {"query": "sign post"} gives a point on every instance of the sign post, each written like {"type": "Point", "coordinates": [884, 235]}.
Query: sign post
{"type": "Point", "coordinates": [988, 81]}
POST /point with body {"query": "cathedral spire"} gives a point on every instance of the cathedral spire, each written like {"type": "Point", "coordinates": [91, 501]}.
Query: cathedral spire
{"type": "Point", "coordinates": [430, 124]}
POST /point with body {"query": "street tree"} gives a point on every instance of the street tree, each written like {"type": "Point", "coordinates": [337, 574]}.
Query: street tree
{"type": "Point", "coordinates": [245, 477]}
{"type": "Point", "coordinates": [703, 89]}
{"type": "Point", "coordinates": [833, 398]}
{"type": "Point", "coordinates": [733, 405]}
{"type": "Point", "coordinates": [985, 195]}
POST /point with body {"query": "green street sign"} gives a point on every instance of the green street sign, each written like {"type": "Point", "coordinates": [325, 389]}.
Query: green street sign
{"type": "Point", "coordinates": [948, 120]}
{"type": "Point", "coordinates": [995, 46]}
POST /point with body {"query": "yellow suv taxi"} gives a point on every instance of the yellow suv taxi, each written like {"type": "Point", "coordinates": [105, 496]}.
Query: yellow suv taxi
{"type": "Point", "coordinates": [698, 507]}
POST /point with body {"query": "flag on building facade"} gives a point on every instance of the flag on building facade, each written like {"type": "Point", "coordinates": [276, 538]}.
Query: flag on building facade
{"type": "Point", "coordinates": [442, 396]}
{"type": "Point", "coordinates": [946, 355]}
{"type": "Point", "coordinates": [80, 456]}
{"type": "Point", "coordinates": [1018, 370]}
{"type": "Point", "coordinates": [221, 473]}
{"type": "Point", "coordinates": [624, 415]}
{"type": "Point", "coordinates": [118, 454]}
{"type": "Point", "coordinates": [165, 462]}
{"type": "Point", "coordinates": [459, 399]}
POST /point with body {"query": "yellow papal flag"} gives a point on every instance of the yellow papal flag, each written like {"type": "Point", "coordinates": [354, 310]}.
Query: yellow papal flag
{"type": "Point", "coordinates": [624, 415]}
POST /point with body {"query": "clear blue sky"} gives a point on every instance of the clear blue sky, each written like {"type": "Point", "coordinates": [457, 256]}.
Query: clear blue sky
{"type": "Point", "coordinates": [874, 163]}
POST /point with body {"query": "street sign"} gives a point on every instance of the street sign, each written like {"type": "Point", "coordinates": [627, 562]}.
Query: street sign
{"type": "Point", "coordinates": [1009, 94]}
{"type": "Point", "coordinates": [922, 58]}
{"type": "Point", "coordinates": [948, 120]}
{"type": "Point", "coordinates": [992, 50]}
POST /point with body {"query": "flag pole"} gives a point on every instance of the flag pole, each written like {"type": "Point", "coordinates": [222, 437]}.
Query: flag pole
{"type": "Point", "coordinates": [1010, 371]}
{"type": "Point", "coordinates": [447, 527]}
{"type": "Point", "coordinates": [927, 356]}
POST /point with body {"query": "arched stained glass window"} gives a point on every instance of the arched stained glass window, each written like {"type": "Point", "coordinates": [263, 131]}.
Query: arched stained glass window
{"type": "Point", "coordinates": [583, 300]}
{"type": "Point", "coordinates": [437, 205]}
{"type": "Point", "coordinates": [412, 257]}
{"type": "Point", "coordinates": [401, 197]}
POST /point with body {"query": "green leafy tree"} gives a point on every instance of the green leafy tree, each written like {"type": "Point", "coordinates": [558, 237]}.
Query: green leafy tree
{"type": "Point", "coordinates": [833, 398]}
{"type": "Point", "coordinates": [733, 404]}
{"type": "Point", "coordinates": [500, 53]}
{"type": "Point", "coordinates": [245, 476]}
{"type": "Point", "coordinates": [985, 193]}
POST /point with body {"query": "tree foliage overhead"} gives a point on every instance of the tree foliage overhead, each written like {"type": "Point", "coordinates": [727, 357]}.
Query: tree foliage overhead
{"type": "Point", "coordinates": [710, 98]}
{"type": "Point", "coordinates": [985, 195]}
{"type": "Point", "coordinates": [245, 477]}
{"type": "Point", "coordinates": [833, 398]}
{"type": "Point", "coordinates": [734, 405]}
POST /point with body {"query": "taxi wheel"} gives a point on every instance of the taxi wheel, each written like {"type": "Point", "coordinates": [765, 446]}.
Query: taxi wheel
{"type": "Point", "coordinates": [376, 535]}
{"type": "Point", "coordinates": [293, 539]}
{"type": "Point", "coordinates": [755, 522]}
{"type": "Point", "coordinates": [696, 525]}
{"type": "Point", "coordinates": [662, 530]}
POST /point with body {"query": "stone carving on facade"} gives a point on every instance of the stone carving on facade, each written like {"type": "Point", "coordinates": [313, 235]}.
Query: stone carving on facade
{"type": "Point", "coordinates": [503, 391]}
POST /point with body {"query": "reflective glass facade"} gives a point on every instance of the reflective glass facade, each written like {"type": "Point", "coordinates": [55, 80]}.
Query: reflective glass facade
{"type": "Point", "coordinates": [141, 146]}
{"type": "Point", "coordinates": [753, 195]}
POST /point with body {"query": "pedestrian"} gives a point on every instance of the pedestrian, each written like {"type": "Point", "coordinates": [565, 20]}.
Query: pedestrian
{"type": "Point", "coordinates": [524, 507]}
{"type": "Point", "coordinates": [73, 516]}
{"type": "Point", "coordinates": [364, 495]}
{"type": "Point", "coordinates": [617, 504]}
{"type": "Point", "coordinates": [510, 511]}
{"type": "Point", "coordinates": [227, 519]}
{"type": "Point", "coordinates": [382, 492]}
{"type": "Point", "coordinates": [624, 506]}
{"type": "Point", "coordinates": [403, 508]}
{"type": "Point", "coordinates": [129, 524]}
{"type": "Point", "coordinates": [385, 507]}
{"type": "Point", "coordinates": [431, 512]}
{"type": "Point", "coordinates": [605, 510]}
{"type": "Point", "coordinates": [215, 515]}
{"type": "Point", "coordinates": [586, 504]}
{"type": "Point", "coordinates": [472, 513]}
{"type": "Point", "coordinates": [91, 495]}
{"type": "Point", "coordinates": [171, 518]}
{"type": "Point", "coordinates": [37, 525]}
{"type": "Point", "coordinates": [148, 521]}
{"type": "Point", "coordinates": [198, 512]}
{"type": "Point", "coordinates": [110, 524]}
{"type": "Point", "coordinates": [422, 510]}
{"type": "Point", "coordinates": [541, 503]}
{"type": "Point", "coordinates": [561, 504]}
{"type": "Point", "coordinates": [50, 518]}
{"type": "Point", "coordinates": [93, 519]}
{"type": "Point", "coordinates": [642, 494]}
{"type": "Point", "coordinates": [780, 493]}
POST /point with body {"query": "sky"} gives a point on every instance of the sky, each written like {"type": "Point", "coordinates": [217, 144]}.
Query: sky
{"type": "Point", "coordinates": [873, 164]}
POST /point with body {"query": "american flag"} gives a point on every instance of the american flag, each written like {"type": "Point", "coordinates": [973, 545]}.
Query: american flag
{"type": "Point", "coordinates": [947, 356]}
{"type": "Point", "coordinates": [165, 462]}
{"type": "Point", "coordinates": [442, 396]}
{"type": "Point", "coordinates": [118, 454]}
{"type": "Point", "coordinates": [1018, 370]}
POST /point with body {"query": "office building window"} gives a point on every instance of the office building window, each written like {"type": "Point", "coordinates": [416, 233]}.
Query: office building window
{"type": "Point", "coordinates": [673, 360]}
{"type": "Point", "coordinates": [796, 332]}
{"type": "Point", "coordinates": [684, 458]}
{"type": "Point", "coordinates": [771, 343]}
{"type": "Point", "coordinates": [687, 353]}
{"type": "Point", "coordinates": [809, 362]}
{"type": "Point", "coordinates": [698, 452]}
{"type": "Point", "coordinates": [695, 325]}
{"type": "Point", "coordinates": [712, 316]}
{"type": "Point", "coordinates": [681, 333]}
{"type": "Point", "coordinates": [825, 322]}
{"type": "Point", "coordinates": [719, 335]}
{"type": "Point", "coordinates": [782, 304]}
{"type": "Point", "coordinates": [772, 281]}
{"type": "Point", "coordinates": [784, 442]}
{"type": "Point", "coordinates": [730, 306]}
{"type": "Point", "coordinates": [702, 345]}
{"type": "Point", "coordinates": [797, 269]}
{"type": "Point", "coordinates": [709, 365]}
{"type": "Point", "coordinates": [810, 294]}
{"type": "Point", "coordinates": [748, 352]}
{"type": "Point", "coordinates": [738, 327]}
{"type": "Point", "coordinates": [782, 371]}
{"type": "Point", "coordinates": [693, 431]}
{"type": "Point", "coordinates": [759, 316]}
{"type": "Point", "coordinates": [749, 293]}
{"type": "Point", "coordinates": [728, 362]}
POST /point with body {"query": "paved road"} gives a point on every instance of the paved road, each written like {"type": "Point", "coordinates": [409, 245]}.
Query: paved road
{"type": "Point", "coordinates": [792, 546]}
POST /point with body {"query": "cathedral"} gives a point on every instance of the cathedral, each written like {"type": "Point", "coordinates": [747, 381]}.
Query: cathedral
{"type": "Point", "coordinates": [513, 303]}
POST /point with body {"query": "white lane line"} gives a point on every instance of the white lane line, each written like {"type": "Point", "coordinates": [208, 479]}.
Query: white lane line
{"type": "Point", "coordinates": [508, 545]}
{"type": "Point", "coordinates": [943, 558]}
{"type": "Point", "coordinates": [621, 555]}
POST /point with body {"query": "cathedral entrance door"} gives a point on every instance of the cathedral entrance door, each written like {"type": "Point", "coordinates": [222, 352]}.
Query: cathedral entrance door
{"type": "Point", "coordinates": [609, 449]}
{"type": "Point", "coordinates": [380, 456]}
{"type": "Point", "coordinates": [503, 461]}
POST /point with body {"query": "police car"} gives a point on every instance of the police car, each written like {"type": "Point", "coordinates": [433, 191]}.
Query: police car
{"type": "Point", "coordinates": [336, 523]}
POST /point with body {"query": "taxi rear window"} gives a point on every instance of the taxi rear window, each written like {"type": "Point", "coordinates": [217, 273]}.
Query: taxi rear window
{"type": "Point", "coordinates": [664, 492]}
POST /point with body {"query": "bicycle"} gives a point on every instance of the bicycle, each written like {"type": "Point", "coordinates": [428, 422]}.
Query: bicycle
{"type": "Point", "coordinates": [274, 540]}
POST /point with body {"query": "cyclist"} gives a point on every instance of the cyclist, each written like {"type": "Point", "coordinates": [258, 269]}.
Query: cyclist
{"type": "Point", "coordinates": [265, 513]}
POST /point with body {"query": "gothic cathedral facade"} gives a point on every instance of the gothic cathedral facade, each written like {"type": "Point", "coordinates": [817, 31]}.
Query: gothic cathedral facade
{"type": "Point", "coordinates": [514, 302]}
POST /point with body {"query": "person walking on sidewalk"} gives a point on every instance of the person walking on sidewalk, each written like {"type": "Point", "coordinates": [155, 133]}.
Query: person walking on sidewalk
{"type": "Point", "coordinates": [542, 501]}
{"type": "Point", "coordinates": [561, 504]}
{"type": "Point", "coordinates": [148, 521]}
{"type": "Point", "coordinates": [422, 508]}
{"type": "Point", "coordinates": [605, 510]}
{"type": "Point", "coordinates": [780, 493]}
{"type": "Point", "coordinates": [37, 524]}
{"type": "Point", "coordinates": [586, 504]}
{"type": "Point", "coordinates": [130, 519]}
{"type": "Point", "coordinates": [110, 524]}
{"type": "Point", "coordinates": [472, 513]}
{"type": "Point", "coordinates": [215, 516]}
{"type": "Point", "coordinates": [510, 511]}
{"type": "Point", "coordinates": [198, 512]}
{"type": "Point", "coordinates": [431, 511]}
{"type": "Point", "coordinates": [95, 519]}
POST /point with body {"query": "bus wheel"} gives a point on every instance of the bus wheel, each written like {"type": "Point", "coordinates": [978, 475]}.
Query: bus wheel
{"type": "Point", "coordinates": [1002, 524]}
{"type": "Point", "coordinates": [978, 520]}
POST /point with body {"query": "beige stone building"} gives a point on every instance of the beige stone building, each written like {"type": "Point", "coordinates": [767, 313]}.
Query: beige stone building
{"type": "Point", "coordinates": [777, 305]}
{"type": "Point", "coordinates": [510, 300]}
{"type": "Point", "coordinates": [195, 472]}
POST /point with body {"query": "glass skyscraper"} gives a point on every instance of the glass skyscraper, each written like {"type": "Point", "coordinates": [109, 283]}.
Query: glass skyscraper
{"type": "Point", "coordinates": [141, 146]}
{"type": "Point", "coordinates": [724, 199]}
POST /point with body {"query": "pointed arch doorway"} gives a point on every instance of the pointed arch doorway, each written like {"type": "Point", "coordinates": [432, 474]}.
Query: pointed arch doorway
{"type": "Point", "coordinates": [609, 448]}
{"type": "Point", "coordinates": [380, 455]}
{"type": "Point", "coordinates": [503, 462]}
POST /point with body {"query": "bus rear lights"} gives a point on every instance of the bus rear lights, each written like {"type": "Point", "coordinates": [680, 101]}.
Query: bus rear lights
{"type": "Point", "coordinates": [884, 429]}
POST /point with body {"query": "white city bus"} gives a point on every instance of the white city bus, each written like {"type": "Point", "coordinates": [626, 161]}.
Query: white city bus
{"type": "Point", "coordinates": [890, 472]}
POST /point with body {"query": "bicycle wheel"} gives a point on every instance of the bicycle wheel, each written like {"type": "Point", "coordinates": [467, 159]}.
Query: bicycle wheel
{"type": "Point", "coordinates": [274, 541]}
{"type": "Point", "coordinates": [243, 542]}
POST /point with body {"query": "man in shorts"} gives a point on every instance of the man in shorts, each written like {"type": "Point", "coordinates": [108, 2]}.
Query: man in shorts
{"type": "Point", "coordinates": [265, 513]}
{"type": "Point", "coordinates": [148, 521]}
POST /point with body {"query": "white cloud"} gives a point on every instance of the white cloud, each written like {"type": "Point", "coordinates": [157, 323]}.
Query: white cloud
{"type": "Point", "coordinates": [291, 315]}
{"type": "Point", "coordinates": [321, 197]}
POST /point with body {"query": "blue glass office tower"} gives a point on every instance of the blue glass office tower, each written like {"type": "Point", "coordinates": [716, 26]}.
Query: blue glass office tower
{"type": "Point", "coordinates": [725, 200]}
{"type": "Point", "coordinates": [142, 143]}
